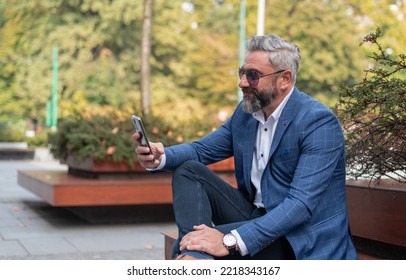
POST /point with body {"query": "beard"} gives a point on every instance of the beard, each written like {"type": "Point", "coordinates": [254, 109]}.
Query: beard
{"type": "Point", "coordinates": [255, 100]}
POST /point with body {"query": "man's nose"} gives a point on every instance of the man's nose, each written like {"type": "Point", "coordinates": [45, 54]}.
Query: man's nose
{"type": "Point", "coordinates": [243, 81]}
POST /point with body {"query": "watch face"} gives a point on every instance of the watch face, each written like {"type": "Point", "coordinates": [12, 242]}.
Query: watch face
{"type": "Point", "coordinates": [229, 240]}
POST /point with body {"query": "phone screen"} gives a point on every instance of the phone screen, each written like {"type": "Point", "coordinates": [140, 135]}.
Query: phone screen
{"type": "Point", "coordinates": [139, 127]}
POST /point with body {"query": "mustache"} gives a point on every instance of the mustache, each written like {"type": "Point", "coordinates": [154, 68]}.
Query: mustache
{"type": "Point", "coordinates": [250, 91]}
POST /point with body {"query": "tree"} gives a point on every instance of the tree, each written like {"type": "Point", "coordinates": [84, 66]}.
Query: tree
{"type": "Point", "coordinates": [98, 50]}
{"type": "Point", "coordinates": [373, 113]}
{"type": "Point", "coordinates": [145, 57]}
{"type": "Point", "coordinates": [194, 53]}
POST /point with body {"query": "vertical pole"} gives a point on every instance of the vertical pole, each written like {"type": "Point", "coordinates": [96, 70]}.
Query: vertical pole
{"type": "Point", "coordinates": [54, 95]}
{"type": "Point", "coordinates": [261, 17]}
{"type": "Point", "coordinates": [242, 40]}
{"type": "Point", "coordinates": [48, 114]}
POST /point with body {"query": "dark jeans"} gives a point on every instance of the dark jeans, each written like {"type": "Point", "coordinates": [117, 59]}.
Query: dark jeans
{"type": "Point", "coordinates": [200, 196]}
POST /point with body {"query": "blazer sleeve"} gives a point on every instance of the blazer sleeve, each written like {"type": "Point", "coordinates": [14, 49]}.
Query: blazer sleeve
{"type": "Point", "coordinates": [214, 147]}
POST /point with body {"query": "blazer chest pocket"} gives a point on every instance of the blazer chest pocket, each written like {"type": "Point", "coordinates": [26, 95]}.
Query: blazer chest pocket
{"type": "Point", "coordinates": [286, 156]}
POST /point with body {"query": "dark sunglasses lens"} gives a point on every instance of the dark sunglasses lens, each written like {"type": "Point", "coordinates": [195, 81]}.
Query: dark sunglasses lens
{"type": "Point", "coordinates": [252, 77]}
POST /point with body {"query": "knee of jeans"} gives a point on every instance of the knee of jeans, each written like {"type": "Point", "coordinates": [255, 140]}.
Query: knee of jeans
{"type": "Point", "coordinates": [189, 167]}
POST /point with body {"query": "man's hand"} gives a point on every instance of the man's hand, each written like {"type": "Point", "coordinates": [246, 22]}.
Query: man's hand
{"type": "Point", "coordinates": [144, 157]}
{"type": "Point", "coordinates": [205, 239]}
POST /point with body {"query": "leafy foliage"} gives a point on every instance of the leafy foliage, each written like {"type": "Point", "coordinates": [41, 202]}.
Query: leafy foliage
{"type": "Point", "coordinates": [373, 113]}
{"type": "Point", "coordinates": [194, 50]}
{"type": "Point", "coordinates": [104, 133]}
{"type": "Point", "coordinates": [10, 133]}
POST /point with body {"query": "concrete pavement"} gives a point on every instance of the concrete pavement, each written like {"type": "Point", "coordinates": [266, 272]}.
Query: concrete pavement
{"type": "Point", "coordinates": [32, 229]}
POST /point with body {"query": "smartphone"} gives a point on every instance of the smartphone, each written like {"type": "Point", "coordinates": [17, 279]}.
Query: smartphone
{"type": "Point", "coordinates": [139, 127]}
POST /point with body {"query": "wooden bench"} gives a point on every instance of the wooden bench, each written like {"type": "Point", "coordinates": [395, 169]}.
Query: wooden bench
{"type": "Point", "coordinates": [15, 151]}
{"type": "Point", "coordinates": [169, 238]}
{"type": "Point", "coordinates": [59, 188]}
{"type": "Point", "coordinates": [131, 197]}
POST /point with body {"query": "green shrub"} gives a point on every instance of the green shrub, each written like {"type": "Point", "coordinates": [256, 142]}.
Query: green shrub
{"type": "Point", "coordinates": [40, 139]}
{"type": "Point", "coordinates": [104, 133]}
{"type": "Point", "coordinates": [373, 114]}
{"type": "Point", "coordinates": [10, 132]}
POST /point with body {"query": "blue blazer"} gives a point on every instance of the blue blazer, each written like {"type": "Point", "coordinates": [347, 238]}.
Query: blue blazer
{"type": "Point", "coordinates": [303, 185]}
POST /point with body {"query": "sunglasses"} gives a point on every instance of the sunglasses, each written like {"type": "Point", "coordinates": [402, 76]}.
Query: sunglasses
{"type": "Point", "coordinates": [253, 76]}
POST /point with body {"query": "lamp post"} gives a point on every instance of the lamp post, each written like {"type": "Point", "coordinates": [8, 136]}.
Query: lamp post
{"type": "Point", "coordinates": [52, 104]}
{"type": "Point", "coordinates": [261, 17]}
{"type": "Point", "coordinates": [242, 40]}
{"type": "Point", "coordinates": [54, 96]}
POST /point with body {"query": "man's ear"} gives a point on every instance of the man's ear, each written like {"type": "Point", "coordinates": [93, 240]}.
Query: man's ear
{"type": "Point", "coordinates": [286, 79]}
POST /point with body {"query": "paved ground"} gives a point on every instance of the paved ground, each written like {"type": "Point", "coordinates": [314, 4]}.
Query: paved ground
{"type": "Point", "coordinates": [31, 229]}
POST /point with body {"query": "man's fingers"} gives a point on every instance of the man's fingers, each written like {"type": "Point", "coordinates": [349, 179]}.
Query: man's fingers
{"type": "Point", "coordinates": [142, 150]}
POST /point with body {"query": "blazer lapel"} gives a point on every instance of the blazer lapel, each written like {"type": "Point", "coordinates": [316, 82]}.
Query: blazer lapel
{"type": "Point", "coordinates": [285, 119]}
{"type": "Point", "coordinates": [248, 153]}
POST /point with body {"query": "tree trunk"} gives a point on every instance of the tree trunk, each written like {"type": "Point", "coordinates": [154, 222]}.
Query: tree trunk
{"type": "Point", "coordinates": [145, 58]}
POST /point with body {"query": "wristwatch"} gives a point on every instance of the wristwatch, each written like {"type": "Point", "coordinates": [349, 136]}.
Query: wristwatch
{"type": "Point", "coordinates": [230, 242]}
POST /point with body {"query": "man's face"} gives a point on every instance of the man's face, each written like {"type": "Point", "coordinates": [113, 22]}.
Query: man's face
{"type": "Point", "coordinates": [258, 93]}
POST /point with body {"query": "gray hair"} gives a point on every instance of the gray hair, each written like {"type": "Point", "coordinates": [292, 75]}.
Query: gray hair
{"type": "Point", "coordinates": [282, 54]}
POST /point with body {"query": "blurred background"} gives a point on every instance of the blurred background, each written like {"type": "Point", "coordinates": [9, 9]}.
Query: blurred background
{"type": "Point", "coordinates": [172, 62]}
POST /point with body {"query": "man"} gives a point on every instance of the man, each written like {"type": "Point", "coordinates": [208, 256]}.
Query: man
{"type": "Point", "coordinates": [289, 154]}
